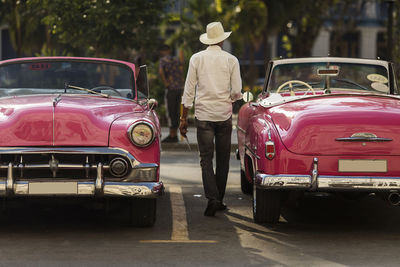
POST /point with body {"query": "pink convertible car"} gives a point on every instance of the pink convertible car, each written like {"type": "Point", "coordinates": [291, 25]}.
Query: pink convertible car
{"type": "Point", "coordinates": [320, 124]}
{"type": "Point", "coordinates": [79, 127]}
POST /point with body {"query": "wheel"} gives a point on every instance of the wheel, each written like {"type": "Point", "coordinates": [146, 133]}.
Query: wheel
{"type": "Point", "coordinates": [142, 212]}
{"type": "Point", "coordinates": [266, 205]}
{"type": "Point", "coordinates": [247, 187]}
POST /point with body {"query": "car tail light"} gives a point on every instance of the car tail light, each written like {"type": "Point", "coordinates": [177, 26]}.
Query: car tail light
{"type": "Point", "coordinates": [270, 149]}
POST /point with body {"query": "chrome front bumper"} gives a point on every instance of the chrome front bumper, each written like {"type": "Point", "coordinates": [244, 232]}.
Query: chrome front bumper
{"type": "Point", "coordinates": [13, 184]}
{"type": "Point", "coordinates": [81, 188]}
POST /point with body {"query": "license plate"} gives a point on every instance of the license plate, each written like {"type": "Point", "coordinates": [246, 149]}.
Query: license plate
{"type": "Point", "coordinates": [53, 188]}
{"type": "Point", "coordinates": [361, 165]}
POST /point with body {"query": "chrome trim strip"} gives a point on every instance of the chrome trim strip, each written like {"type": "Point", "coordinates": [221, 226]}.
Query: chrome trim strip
{"type": "Point", "coordinates": [147, 165]}
{"type": "Point", "coordinates": [240, 129]}
{"type": "Point", "coordinates": [264, 103]}
{"type": "Point", "coordinates": [254, 104]}
{"type": "Point", "coordinates": [70, 150]}
{"type": "Point", "coordinates": [55, 102]}
{"type": "Point", "coordinates": [286, 181]}
{"type": "Point", "coordinates": [364, 139]}
{"type": "Point", "coordinates": [251, 152]}
{"type": "Point", "coordinates": [69, 166]}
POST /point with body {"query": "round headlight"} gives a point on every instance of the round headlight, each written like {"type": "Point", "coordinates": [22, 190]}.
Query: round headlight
{"type": "Point", "coordinates": [141, 134]}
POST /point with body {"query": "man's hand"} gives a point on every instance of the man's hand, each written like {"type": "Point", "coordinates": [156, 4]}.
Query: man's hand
{"type": "Point", "coordinates": [183, 124]}
{"type": "Point", "coordinates": [183, 127]}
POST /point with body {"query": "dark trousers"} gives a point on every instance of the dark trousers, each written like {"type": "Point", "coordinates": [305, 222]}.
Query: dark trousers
{"type": "Point", "coordinates": [208, 131]}
{"type": "Point", "coordinates": [173, 99]}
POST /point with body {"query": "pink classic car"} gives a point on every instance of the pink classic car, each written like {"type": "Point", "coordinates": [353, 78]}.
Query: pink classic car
{"type": "Point", "coordinates": [320, 125]}
{"type": "Point", "coordinates": [79, 127]}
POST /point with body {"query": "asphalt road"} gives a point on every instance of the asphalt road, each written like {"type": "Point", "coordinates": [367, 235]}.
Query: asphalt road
{"type": "Point", "coordinates": [320, 231]}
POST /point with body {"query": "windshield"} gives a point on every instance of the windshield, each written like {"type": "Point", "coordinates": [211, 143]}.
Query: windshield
{"type": "Point", "coordinates": [333, 76]}
{"type": "Point", "coordinates": [52, 77]}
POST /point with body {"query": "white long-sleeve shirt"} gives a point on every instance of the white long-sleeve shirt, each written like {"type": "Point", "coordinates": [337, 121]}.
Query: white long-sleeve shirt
{"type": "Point", "coordinates": [213, 82]}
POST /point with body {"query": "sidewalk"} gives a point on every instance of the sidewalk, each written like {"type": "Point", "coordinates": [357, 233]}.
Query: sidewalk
{"type": "Point", "coordinates": [182, 144]}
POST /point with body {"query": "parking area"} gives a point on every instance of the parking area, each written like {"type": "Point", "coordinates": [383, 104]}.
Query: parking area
{"type": "Point", "coordinates": [320, 231]}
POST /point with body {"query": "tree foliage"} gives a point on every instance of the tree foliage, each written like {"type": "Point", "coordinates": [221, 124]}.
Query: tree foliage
{"type": "Point", "coordinates": [23, 18]}
{"type": "Point", "coordinates": [190, 24]}
{"type": "Point", "coordinates": [105, 26]}
{"type": "Point", "coordinates": [396, 35]}
{"type": "Point", "coordinates": [303, 23]}
{"type": "Point", "coordinates": [85, 27]}
{"type": "Point", "coordinates": [248, 19]}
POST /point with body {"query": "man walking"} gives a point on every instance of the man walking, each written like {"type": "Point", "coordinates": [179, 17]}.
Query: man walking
{"type": "Point", "coordinates": [171, 72]}
{"type": "Point", "coordinates": [213, 82]}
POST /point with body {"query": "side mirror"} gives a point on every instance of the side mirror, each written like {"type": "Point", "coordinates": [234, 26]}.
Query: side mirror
{"type": "Point", "coordinates": [152, 103]}
{"type": "Point", "coordinates": [142, 82]}
{"type": "Point", "coordinates": [247, 97]}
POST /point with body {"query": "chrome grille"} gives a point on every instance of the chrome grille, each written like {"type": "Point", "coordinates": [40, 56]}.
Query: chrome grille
{"type": "Point", "coordinates": [60, 163]}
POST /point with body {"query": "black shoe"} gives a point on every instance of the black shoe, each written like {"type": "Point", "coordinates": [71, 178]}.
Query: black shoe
{"type": "Point", "coordinates": [222, 206]}
{"type": "Point", "coordinates": [212, 208]}
{"type": "Point", "coordinates": [170, 139]}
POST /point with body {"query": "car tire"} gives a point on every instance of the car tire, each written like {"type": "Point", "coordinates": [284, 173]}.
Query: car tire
{"type": "Point", "coordinates": [266, 205]}
{"type": "Point", "coordinates": [142, 212]}
{"type": "Point", "coordinates": [247, 187]}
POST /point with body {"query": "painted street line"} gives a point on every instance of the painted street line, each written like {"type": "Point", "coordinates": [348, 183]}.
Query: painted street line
{"type": "Point", "coordinates": [180, 233]}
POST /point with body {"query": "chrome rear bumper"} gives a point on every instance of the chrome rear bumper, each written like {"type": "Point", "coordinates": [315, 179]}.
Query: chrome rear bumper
{"type": "Point", "coordinates": [306, 182]}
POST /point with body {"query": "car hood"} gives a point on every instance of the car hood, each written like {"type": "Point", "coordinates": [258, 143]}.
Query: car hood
{"type": "Point", "coordinates": [322, 125]}
{"type": "Point", "coordinates": [65, 120]}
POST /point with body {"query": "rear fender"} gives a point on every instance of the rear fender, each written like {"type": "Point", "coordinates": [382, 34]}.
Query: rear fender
{"type": "Point", "coordinates": [261, 131]}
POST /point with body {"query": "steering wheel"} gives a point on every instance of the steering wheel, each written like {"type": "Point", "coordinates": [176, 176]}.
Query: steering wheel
{"type": "Point", "coordinates": [310, 89]}
{"type": "Point", "coordinates": [106, 87]}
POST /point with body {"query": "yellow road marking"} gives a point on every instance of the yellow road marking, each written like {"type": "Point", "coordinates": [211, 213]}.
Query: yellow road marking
{"type": "Point", "coordinates": [180, 241]}
{"type": "Point", "coordinates": [179, 220]}
{"type": "Point", "coordinates": [180, 233]}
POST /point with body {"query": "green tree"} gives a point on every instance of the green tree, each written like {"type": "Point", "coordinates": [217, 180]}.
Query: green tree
{"type": "Point", "coordinates": [246, 18]}
{"type": "Point", "coordinates": [249, 21]}
{"type": "Point", "coordinates": [304, 21]}
{"type": "Point", "coordinates": [23, 18]}
{"type": "Point", "coordinates": [105, 27]}
{"type": "Point", "coordinates": [396, 35]}
{"type": "Point", "coordinates": [190, 24]}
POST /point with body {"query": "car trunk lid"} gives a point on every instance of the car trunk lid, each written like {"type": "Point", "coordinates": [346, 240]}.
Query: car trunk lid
{"type": "Point", "coordinates": [340, 125]}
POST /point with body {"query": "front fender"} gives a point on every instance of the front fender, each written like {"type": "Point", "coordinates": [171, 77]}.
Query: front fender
{"type": "Point", "coordinates": [119, 137]}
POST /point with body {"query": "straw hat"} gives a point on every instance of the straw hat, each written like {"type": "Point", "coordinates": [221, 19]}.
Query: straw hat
{"type": "Point", "coordinates": [215, 34]}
